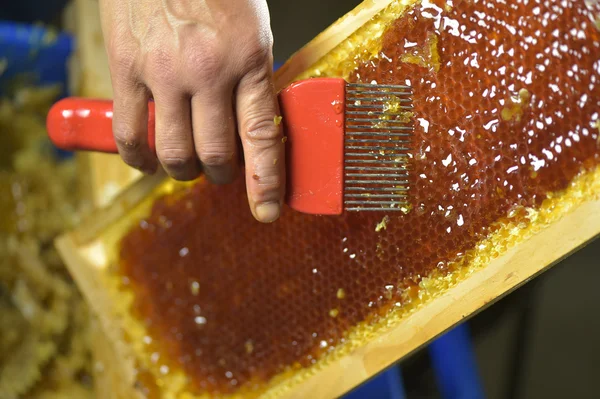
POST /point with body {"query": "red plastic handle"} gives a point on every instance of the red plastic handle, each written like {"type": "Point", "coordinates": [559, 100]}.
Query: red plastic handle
{"type": "Point", "coordinates": [79, 124]}
{"type": "Point", "coordinates": [313, 118]}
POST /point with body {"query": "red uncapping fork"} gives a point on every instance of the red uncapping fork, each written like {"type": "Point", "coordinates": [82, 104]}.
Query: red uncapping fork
{"type": "Point", "coordinates": [347, 149]}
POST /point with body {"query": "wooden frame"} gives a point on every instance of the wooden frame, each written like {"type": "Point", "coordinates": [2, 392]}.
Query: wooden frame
{"type": "Point", "coordinates": [566, 222]}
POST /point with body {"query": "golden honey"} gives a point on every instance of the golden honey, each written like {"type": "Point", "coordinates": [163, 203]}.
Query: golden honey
{"type": "Point", "coordinates": [507, 104]}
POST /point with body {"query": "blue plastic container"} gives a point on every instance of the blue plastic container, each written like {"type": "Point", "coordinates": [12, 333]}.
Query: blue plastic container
{"type": "Point", "coordinates": [455, 366]}
{"type": "Point", "coordinates": [34, 54]}
{"type": "Point", "coordinates": [386, 385]}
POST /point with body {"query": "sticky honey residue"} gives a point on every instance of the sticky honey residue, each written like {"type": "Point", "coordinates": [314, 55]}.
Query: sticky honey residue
{"type": "Point", "coordinates": [379, 251]}
{"type": "Point", "coordinates": [533, 174]}
{"type": "Point", "coordinates": [146, 384]}
{"type": "Point", "coordinates": [406, 209]}
{"type": "Point", "coordinates": [338, 106]}
{"type": "Point", "coordinates": [383, 224]}
{"type": "Point", "coordinates": [388, 291]}
{"type": "Point", "coordinates": [405, 117]}
{"type": "Point", "coordinates": [415, 58]}
{"type": "Point", "coordinates": [518, 103]}
{"type": "Point", "coordinates": [434, 54]}
{"type": "Point", "coordinates": [195, 288]}
{"type": "Point", "coordinates": [392, 106]}
{"type": "Point", "coordinates": [427, 56]}
{"type": "Point", "coordinates": [249, 346]}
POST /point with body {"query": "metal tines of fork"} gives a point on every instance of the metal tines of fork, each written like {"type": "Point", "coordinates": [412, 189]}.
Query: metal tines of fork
{"type": "Point", "coordinates": [379, 127]}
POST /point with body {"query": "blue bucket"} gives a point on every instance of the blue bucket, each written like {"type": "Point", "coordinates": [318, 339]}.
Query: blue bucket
{"type": "Point", "coordinates": [34, 54]}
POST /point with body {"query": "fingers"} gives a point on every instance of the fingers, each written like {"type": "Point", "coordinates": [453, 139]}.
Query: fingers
{"type": "Point", "coordinates": [130, 125]}
{"type": "Point", "coordinates": [174, 142]}
{"type": "Point", "coordinates": [263, 145]}
{"type": "Point", "coordinates": [214, 134]}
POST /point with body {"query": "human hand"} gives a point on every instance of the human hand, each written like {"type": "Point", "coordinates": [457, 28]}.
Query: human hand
{"type": "Point", "coordinates": [207, 64]}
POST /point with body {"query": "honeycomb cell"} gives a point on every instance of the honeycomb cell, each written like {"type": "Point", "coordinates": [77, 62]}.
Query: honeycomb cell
{"type": "Point", "coordinates": [507, 104]}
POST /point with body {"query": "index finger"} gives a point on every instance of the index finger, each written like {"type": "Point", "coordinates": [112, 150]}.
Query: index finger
{"type": "Point", "coordinates": [262, 140]}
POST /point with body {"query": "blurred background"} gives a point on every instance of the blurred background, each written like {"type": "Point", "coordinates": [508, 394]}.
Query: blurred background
{"type": "Point", "coordinates": [541, 341]}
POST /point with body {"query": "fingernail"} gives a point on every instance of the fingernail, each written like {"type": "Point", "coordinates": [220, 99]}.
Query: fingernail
{"type": "Point", "coordinates": [268, 212]}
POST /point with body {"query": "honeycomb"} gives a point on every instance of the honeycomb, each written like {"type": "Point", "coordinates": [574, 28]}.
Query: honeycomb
{"type": "Point", "coordinates": [507, 110]}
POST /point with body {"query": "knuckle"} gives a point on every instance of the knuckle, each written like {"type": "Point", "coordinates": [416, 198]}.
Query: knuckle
{"type": "Point", "coordinates": [130, 143]}
{"type": "Point", "coordinates": [124, 63]}
{"type": "Point", "coordinates": [162, 67]}
{"type": "Point", "coordinates": [215, 154]}
{"type": "Point", "coordinates": [262, 131]}
{"type": "Point", "coordinates": [258, 51]}
{"type": "Point", "coordinates": [127, 139]}
{"type": "Point", "coordinates": [203, 61]}
{"type": "Point", "coordinates": [268, 188]}
{"type": "Point", "coordinates": [257, 57]}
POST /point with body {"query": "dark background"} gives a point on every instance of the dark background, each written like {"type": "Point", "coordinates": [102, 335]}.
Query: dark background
{"type": "Point", "coordinates": [542, 341]}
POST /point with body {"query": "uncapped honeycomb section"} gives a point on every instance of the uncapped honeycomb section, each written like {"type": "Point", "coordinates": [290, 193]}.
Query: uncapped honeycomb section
{"type": "Point", "coordinates": [507, 103]}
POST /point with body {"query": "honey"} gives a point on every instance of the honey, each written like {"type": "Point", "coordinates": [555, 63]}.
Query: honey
{"type": "Point", "coordinates": [507, 109]}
